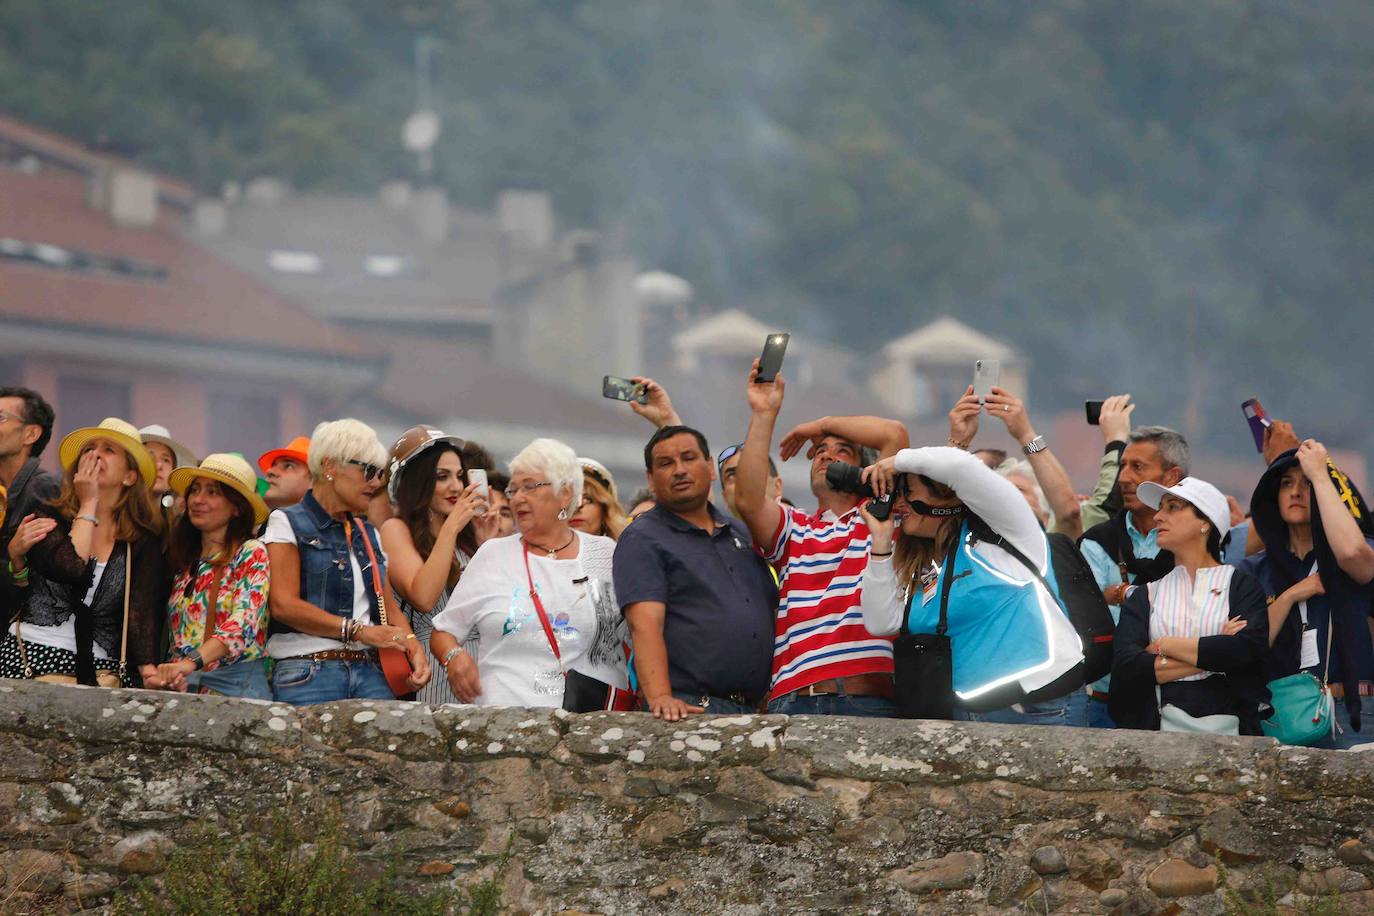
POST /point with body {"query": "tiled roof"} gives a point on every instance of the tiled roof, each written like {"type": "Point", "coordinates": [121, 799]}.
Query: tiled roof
{"type": "Point", "coordinates": [73, 155]}
{"type": "Point", "coordinates": [201, 297]}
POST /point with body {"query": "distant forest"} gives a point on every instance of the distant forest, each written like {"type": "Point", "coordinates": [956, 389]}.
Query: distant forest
{"type": "Point", "coordinates": [1170, 197]}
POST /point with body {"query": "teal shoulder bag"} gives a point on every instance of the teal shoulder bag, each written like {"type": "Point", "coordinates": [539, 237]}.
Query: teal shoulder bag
{"type": "Point", "coordinates": [1304, 712]}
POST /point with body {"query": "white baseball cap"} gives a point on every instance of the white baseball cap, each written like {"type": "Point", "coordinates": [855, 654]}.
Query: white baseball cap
{"type": "Point", "coordinates": [1206, 498]}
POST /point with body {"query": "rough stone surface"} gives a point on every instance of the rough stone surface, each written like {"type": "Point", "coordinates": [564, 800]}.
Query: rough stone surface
{"type": "Point", "coordinates": [736, 815]}
{"type": "Point", "coordinates": [1048, 860]}
{"type": "Point", "coordinates": [1177, 878]}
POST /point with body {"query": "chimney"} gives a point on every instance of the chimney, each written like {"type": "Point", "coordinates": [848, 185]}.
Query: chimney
{"type": "Point", "coordinates": [395, 196]}
{"type": "Point", "coordinates": [128, 196]}
{"type": "Point", "coordinates": [266, 192]}
{"type": "Point", "coordinates": [210, 217]}
{"type": "Point", "coordinates": [429, 212]}
{"type": "Point", "coordinates": [526, 217]}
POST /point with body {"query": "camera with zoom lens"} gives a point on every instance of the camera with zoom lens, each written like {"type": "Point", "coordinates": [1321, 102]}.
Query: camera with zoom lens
{"type": "Point", "coordinates": [846, 478]}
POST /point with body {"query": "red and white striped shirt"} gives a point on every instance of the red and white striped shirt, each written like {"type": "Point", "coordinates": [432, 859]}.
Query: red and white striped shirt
{"type": "Point", "coordinates": [820, 633]}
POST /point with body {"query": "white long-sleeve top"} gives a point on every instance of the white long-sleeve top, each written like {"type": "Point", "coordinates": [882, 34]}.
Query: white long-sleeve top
{"type": "Point", "coordinates": [998, 503]}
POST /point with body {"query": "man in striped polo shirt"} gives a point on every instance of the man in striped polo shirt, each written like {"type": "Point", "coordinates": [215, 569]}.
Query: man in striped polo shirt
{"type": "Point", "coordinates": [824, 661]}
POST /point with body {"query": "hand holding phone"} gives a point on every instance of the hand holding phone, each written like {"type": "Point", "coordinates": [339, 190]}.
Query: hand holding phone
{"type": "Point", "coordinates": [987, 374]}
{"type": "Point", "coordinates": [771, 361]}
{"type": "Point", "coordinates": [623, 389]}
{"type": "Point", "coordinates": [478, 476]}
{"type": "Point", "coordinates": [1259, 421]}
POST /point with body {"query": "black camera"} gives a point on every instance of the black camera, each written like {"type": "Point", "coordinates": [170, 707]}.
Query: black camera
{"type": "Point", "coordinates": [846, 478]}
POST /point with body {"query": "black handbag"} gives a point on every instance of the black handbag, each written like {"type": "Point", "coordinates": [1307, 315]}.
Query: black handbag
{"type": "Point", "coordinates": [584, 693]}
{"type": "Point", "coordinates": [923, 663]}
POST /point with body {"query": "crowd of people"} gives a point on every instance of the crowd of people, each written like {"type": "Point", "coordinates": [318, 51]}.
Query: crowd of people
{"type": "Point", "coordinates": [940, 581]}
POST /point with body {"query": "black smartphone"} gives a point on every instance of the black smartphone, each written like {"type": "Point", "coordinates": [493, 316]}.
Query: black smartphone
{"type": "Point", "coordinates": [1094, 411]}
{"type": "Point", "coordinates": [771, 360]}
{"type": "Point", "coordinates": [623, 389]}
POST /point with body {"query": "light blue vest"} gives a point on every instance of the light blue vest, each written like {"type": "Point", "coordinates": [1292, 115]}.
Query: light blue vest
{"type": "Point", "coordinates": [999, 627]}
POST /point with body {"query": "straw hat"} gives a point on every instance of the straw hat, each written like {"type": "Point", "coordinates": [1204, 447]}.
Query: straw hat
{"type": "Point", "coordinates": [298, 448]}
{"type": "Point", "coordinates": [231, 470]}
{"type": "Point", "coordinates": [598, 471]}
{"type": "Point", "coordinates": [182, 455]}
{"type": "Point", "coordinates": [116, 430]}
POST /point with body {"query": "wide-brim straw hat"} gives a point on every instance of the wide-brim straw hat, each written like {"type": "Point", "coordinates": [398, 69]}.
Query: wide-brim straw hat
{"type": "Point", "coordinates": [116, 430]}
{"type": "Point", "coordinates": [183, 456]}
{"type": "Point", "coordinates": [232, 471]}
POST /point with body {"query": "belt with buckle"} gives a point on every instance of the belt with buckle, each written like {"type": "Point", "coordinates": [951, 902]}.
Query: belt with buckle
{"type": "Point", "coordinates": [343, 655]}
{"type": "Point", "coordinates": [860, 685]}
{"type": "Point", "coordinates": [741, 699]}
{"type": "Point", "coordinates": [1366, 689]}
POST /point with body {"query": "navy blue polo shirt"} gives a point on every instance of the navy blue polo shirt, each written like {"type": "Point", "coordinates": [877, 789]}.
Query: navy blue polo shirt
{"type": "Point", "coordinates": [719, 598]}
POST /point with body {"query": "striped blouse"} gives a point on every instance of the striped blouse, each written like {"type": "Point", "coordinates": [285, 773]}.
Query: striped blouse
{"type": "Point", "coordinates": [1191, 608]}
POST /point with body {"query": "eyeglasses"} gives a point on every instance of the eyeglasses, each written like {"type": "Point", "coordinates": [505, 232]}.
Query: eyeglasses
{"type": "Point", "coordinates": [370, 471]}
{"type": "Point", "coordinates": [526, 488]}
{"type": "Point", "coordinates": [7, 417]}
{"type": "Point", "coordinates": [726, 454]}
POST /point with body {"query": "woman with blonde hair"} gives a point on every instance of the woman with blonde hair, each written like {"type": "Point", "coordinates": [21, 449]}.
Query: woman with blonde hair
{"type": "Point", "coordinates": [542, 603]}
{"type": "Point", "coordinates": [93, 566]}
{"type": "Point", "coordinates": [331, 614]}
{"type": "Point", "coordinates": [599, 510]}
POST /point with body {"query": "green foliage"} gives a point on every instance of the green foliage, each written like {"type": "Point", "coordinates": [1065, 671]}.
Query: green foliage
{"type": "Point", "coordinates": [1266, 901]}
{"type": "Point", "coordinates": [296, 864]}
{"type": "Point", "coordinates": [1065, 175]}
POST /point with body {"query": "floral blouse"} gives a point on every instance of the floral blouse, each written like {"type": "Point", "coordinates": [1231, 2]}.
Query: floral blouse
{"type": "Point", "coordinates": [241, 619]}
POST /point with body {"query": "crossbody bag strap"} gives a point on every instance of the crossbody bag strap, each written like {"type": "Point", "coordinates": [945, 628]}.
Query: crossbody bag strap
{"type": "Point", "coordinates": [124, 637]}
{"type": "Point", "coordinates": [372, 563]}
{"type": "Point", "coordinates": [543, 616]}
{"type": "Point", "coordinates": [946, 583]}
{"type": "Point", "coordinates": [992, 537]}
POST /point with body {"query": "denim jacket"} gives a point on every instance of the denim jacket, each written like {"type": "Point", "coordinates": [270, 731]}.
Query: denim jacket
{"type": "Point", "coordinates": [326, 573]}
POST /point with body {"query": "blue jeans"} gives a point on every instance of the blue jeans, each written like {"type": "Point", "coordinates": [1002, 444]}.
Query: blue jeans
{"type": "Point", "coordinates": [718, 705]}
{"type": "Point", "coordinates": [241, 679]}
{"type": "Point", "coordinates": [1348, 738]}
{"type": "Point", "coordinates": [798, 704]}
{"type": "Point", "coordinates": [1050, 712]}
{"type": "Point", "coordinates": [303, 681]}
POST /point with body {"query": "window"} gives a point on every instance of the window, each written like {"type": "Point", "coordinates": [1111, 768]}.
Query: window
{"type": "Point", "coordinates": [244, 423]}
{"type": "Point", "coordinates": [85, 402]}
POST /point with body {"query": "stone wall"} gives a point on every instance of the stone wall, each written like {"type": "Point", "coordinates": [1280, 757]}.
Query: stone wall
{"type": "Point", "coordinates": [746, 814]}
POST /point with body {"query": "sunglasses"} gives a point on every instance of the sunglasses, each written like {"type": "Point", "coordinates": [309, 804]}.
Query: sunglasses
{"type": "Point", "coordinates": [370, 471]}
{"type": "Point", "coordinates": [726, 454]}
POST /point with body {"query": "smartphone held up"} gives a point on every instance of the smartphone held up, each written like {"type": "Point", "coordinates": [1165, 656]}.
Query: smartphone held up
{"type": "Point", "coordinates": [623, 389]}
{"type": "Point", "coordinates": [1259, 421]}
{"type": "Point", "coordinates": [987, 374]}
{"type": "Point", "coordinates": [770, 362]}
{"type": "Point", "coordinates": [478, 476]}
{"type": "Point", "coordinates": [1093, 410]}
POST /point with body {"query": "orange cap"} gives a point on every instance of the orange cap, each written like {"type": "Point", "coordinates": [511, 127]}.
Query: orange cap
{"type": "Point", "coordinates": [299, 448]}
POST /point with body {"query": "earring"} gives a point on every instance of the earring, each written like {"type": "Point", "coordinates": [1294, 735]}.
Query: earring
{"type": "Point", "coordinates": [329, 477]}
{"type": "Point", "coordinates": [562, 515]}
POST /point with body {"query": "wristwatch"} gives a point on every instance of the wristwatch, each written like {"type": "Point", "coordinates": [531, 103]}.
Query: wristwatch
{"type": "Point", "coordinates": [1035, 445]}
{"type": "Point", "coordinates": [192, 655]}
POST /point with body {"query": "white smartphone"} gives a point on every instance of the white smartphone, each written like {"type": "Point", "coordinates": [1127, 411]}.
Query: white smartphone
{"type": "Point", "coordinates": [987, 373]}
{"type": "Point", "coordinates": [479, 476]}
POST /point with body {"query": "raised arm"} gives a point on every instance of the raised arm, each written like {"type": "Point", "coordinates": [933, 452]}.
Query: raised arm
{"type": "Point", "coordinates": [658, 408]}
{"type": "Point", "coordinates": [1049, 473]}
{"type": "Point", "coordinates": [989, 496]}
{"type": "Point", "coordinates": [886, 436]}
{"type": "Point", "coordinates": [1348, 544]}
{"type": "Point", "coordinates": [760, 514]}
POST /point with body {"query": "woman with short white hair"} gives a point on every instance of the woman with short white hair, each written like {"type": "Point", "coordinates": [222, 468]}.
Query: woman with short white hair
{"type": "Point", "coordinates": [327, 572]}
{"type": "Point", "coordinates": [549, 629]}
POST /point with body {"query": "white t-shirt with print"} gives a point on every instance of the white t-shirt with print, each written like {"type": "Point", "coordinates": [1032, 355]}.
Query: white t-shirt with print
{"type": "Point", "coordinates": [294, 645]}
{"type": "Point", "coordinates": [515, 663]}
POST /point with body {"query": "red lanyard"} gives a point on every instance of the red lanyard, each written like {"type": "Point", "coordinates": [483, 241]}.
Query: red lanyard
{"type": "Point", "coordinates": [539, 609]}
